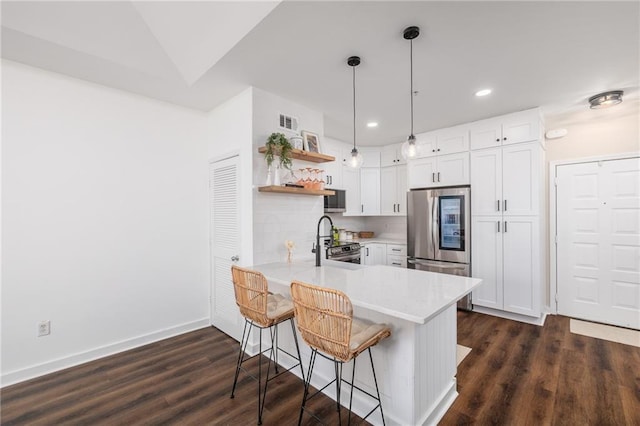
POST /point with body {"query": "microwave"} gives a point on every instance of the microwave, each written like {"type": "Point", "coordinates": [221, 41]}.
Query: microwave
{"type": "Point", "coordinates": [336, 203]}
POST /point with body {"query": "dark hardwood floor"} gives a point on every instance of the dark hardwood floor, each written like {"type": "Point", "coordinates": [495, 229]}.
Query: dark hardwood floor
{"type": "Point", "coordinates": [516, 374]}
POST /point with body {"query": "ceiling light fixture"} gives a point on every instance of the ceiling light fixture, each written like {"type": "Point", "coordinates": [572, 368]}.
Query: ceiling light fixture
{"type": "Point", "coordinates": [483, 92]}
{"type": "Point", "coordinates": [606, 99]}
{"type": "Point", "coordinates": [372, 124]}
{"type": "Point", "coordinates": [356, 158]}
{"type": "Point", "coordinates": [409, 149]}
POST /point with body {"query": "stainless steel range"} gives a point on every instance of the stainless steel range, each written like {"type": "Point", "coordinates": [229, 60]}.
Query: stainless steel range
{"type": "Point", "coordinates": [347, 252]}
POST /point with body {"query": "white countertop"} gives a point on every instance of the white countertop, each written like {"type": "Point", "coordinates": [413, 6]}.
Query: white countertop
{"type": "Point", "coordinates": [382, 240]}
{"type": "Point", "coordinates": [408, 294]}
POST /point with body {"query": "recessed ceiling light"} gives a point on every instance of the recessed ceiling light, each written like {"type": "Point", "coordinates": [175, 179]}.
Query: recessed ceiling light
{"type": "Point", "coordinates": [483, 92]}
{"type": "Point", "coordinates": [372, 124]}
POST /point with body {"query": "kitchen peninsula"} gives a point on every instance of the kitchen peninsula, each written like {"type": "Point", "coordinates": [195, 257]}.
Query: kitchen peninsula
{"type": "Point", "coordinates": [416, 366]}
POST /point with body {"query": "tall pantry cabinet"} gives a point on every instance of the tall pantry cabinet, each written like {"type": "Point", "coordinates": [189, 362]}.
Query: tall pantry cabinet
{"type": "Point", "coordinates": [507, 185]}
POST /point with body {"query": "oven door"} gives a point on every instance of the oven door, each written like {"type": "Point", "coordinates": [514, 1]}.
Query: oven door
{"type": "Point", "coordinates": [350, 258]}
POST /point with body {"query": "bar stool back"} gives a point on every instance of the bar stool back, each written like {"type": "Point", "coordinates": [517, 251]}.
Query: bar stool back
{"type": "Point", "coordinates": [261, 309]}
{"type": "Point", "coordinates": [326, 323]}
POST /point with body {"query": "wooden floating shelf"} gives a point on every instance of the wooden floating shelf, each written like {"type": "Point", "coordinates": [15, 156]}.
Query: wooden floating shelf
{"type": "Point", "coordinates": [294, 190]}
{"type": "Point", "coordinates": [299, 154]}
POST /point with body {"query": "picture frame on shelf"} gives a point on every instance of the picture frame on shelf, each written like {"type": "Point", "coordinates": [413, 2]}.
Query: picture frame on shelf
{"type": "Point", "coordinates": [311, 142]}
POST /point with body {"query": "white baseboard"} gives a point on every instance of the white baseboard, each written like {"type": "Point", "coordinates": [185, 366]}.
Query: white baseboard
{"type": "Point", "coordinates": [446, 400]}
{"type": "Point", "coordinates": [511, 316]}
{"type": "Point", "coordinates": [17, 376]}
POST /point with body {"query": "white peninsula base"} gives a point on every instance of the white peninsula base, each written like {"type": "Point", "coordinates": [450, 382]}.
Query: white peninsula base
{"type": "Point", "coordinates": [416, 366]}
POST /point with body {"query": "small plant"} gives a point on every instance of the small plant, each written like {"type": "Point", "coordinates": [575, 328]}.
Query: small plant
{"type": "Point", "coordinates": [278, 144]}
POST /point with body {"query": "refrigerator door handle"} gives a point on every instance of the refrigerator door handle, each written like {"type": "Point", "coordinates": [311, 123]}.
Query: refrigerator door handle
{"type": "Point", "coordinates": [436, 265]}
{"type": "Point", "coordinates": [434, 223]}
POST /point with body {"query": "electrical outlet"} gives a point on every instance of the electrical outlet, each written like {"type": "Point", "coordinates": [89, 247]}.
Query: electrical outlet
{"type": "Point", "coordinates": [44, 328]}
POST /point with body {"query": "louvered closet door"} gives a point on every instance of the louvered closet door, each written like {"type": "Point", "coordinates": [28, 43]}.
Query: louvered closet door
{"type": "Point", "coordinates": [225, 243]}
{"type": "Point", "coordinates": [598, 251]}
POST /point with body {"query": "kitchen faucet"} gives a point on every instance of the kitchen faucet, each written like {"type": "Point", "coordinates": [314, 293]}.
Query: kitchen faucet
{"type": "Point", "coordinates": [316, 249]}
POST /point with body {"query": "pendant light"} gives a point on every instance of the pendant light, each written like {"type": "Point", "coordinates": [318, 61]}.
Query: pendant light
{"type": "Point", "coordinates": [356, 158]}
{"type": "Point", "coordinates": [409, 148]}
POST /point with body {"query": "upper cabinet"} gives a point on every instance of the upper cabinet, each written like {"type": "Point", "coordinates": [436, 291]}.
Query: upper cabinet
{"type": "Point", "coordinates": [391, 155]}
{"type": "Point", "coordinates": [444, 141]}
{"type": "Point", "coordinates": [443, 170]}
{"type": "Point", "coordinates": [524, 126]}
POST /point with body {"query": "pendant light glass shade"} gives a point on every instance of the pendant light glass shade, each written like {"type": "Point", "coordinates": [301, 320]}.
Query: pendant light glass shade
{"type": "Point", "coordinates": [409, 148]}
{"type": "Point", "coordinates": [356, 160]}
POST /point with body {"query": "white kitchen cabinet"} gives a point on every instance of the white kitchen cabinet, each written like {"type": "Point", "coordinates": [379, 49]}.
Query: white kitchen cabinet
{"type": "Point", "coordinates": [397, 250]}
{"type": "Point", "coordinates": [523, 126]}
{"type": "Point", "coordinates": [333, 169]}
{"type": "Point", "coordinates": [486, 260]}
{"type": "Point", "coordinates": [444, 141]}
{"type": "Point", "coordinates": [374, 254]}
{"type": "Point", "coordinates": [507, 180]}
{"type": "Point", "coordinates": [393, 191]}
{"type": "Point", "coordinates": [521, 265]}
{"type": "Point", "coordinates": [370, 191]}
{"type": "Point", "coordinates": [351, 185]}
{"type": "Point", "coordinates": [391, 155]}
{"type": "Point", "coordinates": [445, 170]}
{"type": "Point", "coordinates": [370, 157]}
{"type": "Point", "coordinates": [506, 256]}
{"type": "Point", "coordinates": [397, 261]}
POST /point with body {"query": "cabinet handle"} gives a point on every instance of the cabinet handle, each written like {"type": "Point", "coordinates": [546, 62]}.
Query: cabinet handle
{"type": "Point", "coordinates": [505, 226]}
{"type": "Point", "coordinates": [498, 226]}
{"type": "Point", "coordinates": [433, 177]}
{"type": "Point", "coordinates": [395, 249]}
{"type": "Point", "coordinates": [394, 208]}
{"type": "Point", "coordinates": [505, 205]}
{"type": "Point", "coordinates": [433, 150]}
{"type": "Point", "coordinates": [498, 202]}
{"type": "Point", "coordinates": [438, 149]}
{"type": "Point", "coordinates": [504, 139]}
{"type": "Point", "coordinates": [438, 176]}
{"type": "Point", "coordinates": [361, 208]}
{"type": "Point", "coordinates": [498, 140]}
{"type": "Point", "coordinates": [367, 251]}
{"type": "Point", "coordinates": [395, 263]}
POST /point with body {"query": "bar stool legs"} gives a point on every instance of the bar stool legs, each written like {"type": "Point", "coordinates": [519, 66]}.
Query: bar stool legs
{"type": "Point", "coordinates": [338, 380]}
{"type": "Point", "coordinates": [273, 356]}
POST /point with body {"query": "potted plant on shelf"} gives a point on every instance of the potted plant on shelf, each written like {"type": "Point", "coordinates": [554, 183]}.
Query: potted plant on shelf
{"type": "Point", "coordinates": [277, 144]}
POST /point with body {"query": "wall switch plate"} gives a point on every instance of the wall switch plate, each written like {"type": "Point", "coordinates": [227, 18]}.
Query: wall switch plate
{"type": "Point", "coordinates": [44, 328]}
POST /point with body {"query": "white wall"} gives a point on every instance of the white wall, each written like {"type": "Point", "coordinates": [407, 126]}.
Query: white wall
{"type": "Point", "coordinates": [230, 130]}
{"type": "Point", "coordinates": [280, 217]}
{"type": "Point", "coordinates": [596, 132]}
{"type": "Point", "coordinates": [105, 233]}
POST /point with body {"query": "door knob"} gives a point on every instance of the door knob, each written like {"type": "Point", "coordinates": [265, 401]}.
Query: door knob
{"type": "Point", "coordinates": [235, 258]}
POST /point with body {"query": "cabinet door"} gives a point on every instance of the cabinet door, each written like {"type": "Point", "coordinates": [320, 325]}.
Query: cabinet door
{"type": "Point", "coordinates": [426, 144]}
{"type": "Point", "coordinates": [388, 195]}
{"type": "Point", "coordinates": [520, 127]}
{"type": "Point", "coordinates": [453, 169]}
{"type": "Point", "coordinates": [396, 261]}
{"type": "Point", "coordinates": [521, 179]}
{"type": "Point", "coordinates": [486, 182]}
{"type": "Point", "coordinates": [333, 169]}
{"type": "Point", "coordinates": [351, 184]}
{"type": "Point", "coordinates": [421, 172]}
{"type": "Point", "coordinates": [401, 190]}
{"type": "Point", "coordinates": [486, 260]}
{"type": "Point", "coordinates": [379, 253]}
{"type": "Point", "coordinates": [485, 134]}
{"type": "Point", "coordinates": [370, 157]}
{"type": "Point", "coordinates": [366, 257]}
{"type": "Point", "coordinates": [452, 140]}
{"type": "Point", "coordinates": [521, 265]}
{"type": "Point", "coordinates": [388, 156]}
{"type": "Point", "coordinates": [370, 191]}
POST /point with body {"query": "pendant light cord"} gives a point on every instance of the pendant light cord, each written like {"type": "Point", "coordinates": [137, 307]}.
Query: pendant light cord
{"type": "Point", "coordinates": [411, 62]}
{"type": "Point", "coordinates": [354, 107]}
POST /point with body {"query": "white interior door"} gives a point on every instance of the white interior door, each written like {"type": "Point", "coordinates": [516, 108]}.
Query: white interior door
{"type": "Point", "coordinates": [598, 251]}
{"type": "Point", "coordinates": [225, 243]}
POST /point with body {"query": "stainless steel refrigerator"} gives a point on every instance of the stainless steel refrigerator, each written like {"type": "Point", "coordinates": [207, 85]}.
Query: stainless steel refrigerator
{"type": "Point", "coordinates": [439, 232]}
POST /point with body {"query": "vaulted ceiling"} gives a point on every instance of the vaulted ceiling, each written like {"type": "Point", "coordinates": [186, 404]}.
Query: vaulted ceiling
{"type": "Point", "coordinates": [199, 54]}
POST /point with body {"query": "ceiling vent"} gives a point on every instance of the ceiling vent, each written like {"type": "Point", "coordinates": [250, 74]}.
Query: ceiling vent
{"type": "Point", "coordinates": [288, 122]}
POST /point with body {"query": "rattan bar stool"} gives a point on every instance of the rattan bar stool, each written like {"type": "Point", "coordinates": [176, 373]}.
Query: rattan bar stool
{"type": "Point", "coordinates": [263, 310]}
{"type": "Point", "coordinates": [326, 323]}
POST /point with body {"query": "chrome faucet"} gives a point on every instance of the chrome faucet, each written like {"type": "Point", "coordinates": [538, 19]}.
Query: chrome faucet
{"type": "Point", "coordinates": [316, 249]}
